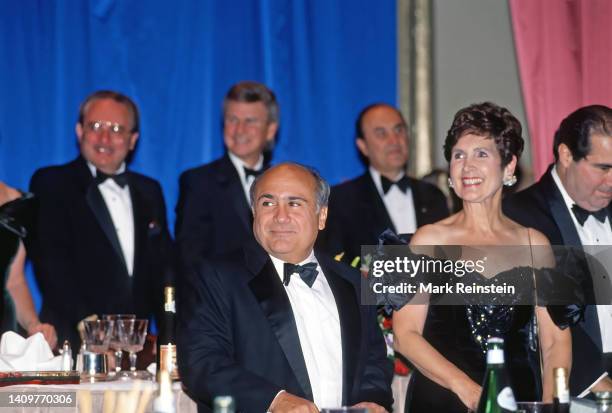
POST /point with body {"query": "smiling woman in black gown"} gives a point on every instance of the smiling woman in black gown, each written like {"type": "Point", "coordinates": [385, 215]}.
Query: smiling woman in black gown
{"type": "Point", "coordinates": [446, 343]}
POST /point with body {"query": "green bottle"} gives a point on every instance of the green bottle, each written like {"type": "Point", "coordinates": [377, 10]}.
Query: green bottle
{"type": "Point", "coordinates": [497, 395]}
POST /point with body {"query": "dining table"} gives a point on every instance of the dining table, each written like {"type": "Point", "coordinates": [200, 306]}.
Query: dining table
{"type": "Point", "coordinates": [130, 396]}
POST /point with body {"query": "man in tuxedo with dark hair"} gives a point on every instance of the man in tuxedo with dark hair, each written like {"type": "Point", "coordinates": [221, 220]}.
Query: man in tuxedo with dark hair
{"type": "Point", "coordinates": [570, 204]}
{"type": "Point", "coordinates": [384, 196]}
{"type": "Point", "coordinates": [100, 243]}
{"type": "Point", "coordinates": [279, 326]}
{"type": "Point", "coordinates": [212, 213]}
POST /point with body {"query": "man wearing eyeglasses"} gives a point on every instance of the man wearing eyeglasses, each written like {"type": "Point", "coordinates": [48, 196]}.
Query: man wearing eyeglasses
{"type": "Point", "coordinates": [101, 243]}
{"type": "Point", "coordinates": [212, 214]}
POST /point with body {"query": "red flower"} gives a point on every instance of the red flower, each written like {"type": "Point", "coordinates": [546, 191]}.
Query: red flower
{"type": "Point", "coordinates": [400, 368]}
{"type": "Point", "coordinates": [387, 323]}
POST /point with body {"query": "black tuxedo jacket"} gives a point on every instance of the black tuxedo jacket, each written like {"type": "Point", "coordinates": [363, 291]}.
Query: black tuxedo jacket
{"type": "Point", "coordinates": [541, 206]}
{"type": "Point", "coordinates": [357, 214]}
{"type": "Point", "coordinates": [213, 216]}
{"type": "Point", "coordinates": [237, 335]}
{"type": "Point", "coordinates": [77, 257]}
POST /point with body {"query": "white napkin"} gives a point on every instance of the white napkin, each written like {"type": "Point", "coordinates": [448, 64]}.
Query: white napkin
{"type": "Point", "coordinates": [31, 354]}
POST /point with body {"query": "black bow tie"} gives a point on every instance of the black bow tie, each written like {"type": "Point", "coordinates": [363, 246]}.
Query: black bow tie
{"type": "Point", "coordinates": [308, 272]}
{"type": "Point", "coordinates": [252, 172]}
{"type": "Point", "coordinates": [120, 179]}
{"type": "Point", "coordinates": [403, 184]}
{"type": "Point", "coordinates": [582, 214]}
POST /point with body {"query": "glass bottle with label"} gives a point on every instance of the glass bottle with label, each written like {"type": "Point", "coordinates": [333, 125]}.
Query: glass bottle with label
{"type": "Point", "coordinates": [166, 342]}
{"type": "Point", "coordinates": [497, 395]}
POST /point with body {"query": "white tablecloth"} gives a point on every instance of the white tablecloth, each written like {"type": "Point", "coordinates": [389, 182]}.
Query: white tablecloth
{"type": "Point", "coordinates": [106, 397]}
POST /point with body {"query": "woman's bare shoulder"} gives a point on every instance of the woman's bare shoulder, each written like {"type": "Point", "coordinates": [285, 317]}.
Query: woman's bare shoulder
{"type": "Point", "coordinates": [528, 235]}
{"type": "Point", "coordinates": [537, 237]}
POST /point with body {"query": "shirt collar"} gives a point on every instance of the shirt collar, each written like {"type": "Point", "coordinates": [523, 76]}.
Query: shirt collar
{"type": "Point", "coordinates": [279, 264]}
{"type": "Point", "coordinates": [240, 165]}
{"type": "Point", "coordinates": [376, 178]}
{"type": "Point", "coordinates": [93, 169]}
{"type": "Point", "coordinates": [569, 202]}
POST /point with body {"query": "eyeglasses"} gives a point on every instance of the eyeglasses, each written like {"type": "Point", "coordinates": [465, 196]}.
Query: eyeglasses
{"type": "Point", "coordinates": [114, 129]}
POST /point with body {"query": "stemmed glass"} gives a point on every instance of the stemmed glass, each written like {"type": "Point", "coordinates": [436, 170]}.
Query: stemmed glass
{"type": "Point", "coordinates": [115, 344]}
{"type": "Point", "coordinates": [97, 335]}
{"type": "Point", "coordinates": [132, 334]}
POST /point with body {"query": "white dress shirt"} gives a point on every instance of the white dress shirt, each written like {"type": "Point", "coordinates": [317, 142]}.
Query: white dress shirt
{"type": "Point", "coordinates": [318, 325]}
{"type": "Point", "coordinates": [593, 232]}
{"type": "Point", "coordinates": [246, 181]}
{"type": "Point", "coordinates": [119, 204]}
{"type": "Point", "coordinates": [399, 205]}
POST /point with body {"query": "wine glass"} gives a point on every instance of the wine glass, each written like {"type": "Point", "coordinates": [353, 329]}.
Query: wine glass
{"type": "Point", "coordinates": [97, 335]}
{"type": "Point", "coordinates": [115, 344]}
{"type": "Point", "coordinates": [132, 334]}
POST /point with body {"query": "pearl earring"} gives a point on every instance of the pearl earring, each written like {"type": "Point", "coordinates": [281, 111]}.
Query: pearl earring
{"type": "Point", "coordinates": [450, 183]}
{"type": "Point", "coordinates": [510, 181]}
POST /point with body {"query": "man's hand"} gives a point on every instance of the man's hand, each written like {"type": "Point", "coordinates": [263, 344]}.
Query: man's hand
{"type": "Point", "coordinates": [372, 407]}
{"type": "Point", "coordinates": [288, 403]}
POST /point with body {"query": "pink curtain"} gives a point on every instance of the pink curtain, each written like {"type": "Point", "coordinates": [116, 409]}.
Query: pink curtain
{"type": "Point", "coordinates": [564, 51]}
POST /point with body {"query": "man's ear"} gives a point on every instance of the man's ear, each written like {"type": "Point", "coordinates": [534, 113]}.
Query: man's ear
{"type": "Point", "coordinates": [322, 218]}
{"type": "Point", "coordinates": [78, 128]}
{"type": "Point", "coordinates": [363, 147]}
{"type": "Point", "coordinates": [565, 155]}
{"type": "Point", "coordinates": [133, 139]}
{"type": "Point", "coordinates": [271, 132]}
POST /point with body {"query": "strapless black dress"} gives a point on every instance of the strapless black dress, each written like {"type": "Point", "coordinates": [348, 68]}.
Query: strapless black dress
{"type": "Point", "coordinates": [460, 334]}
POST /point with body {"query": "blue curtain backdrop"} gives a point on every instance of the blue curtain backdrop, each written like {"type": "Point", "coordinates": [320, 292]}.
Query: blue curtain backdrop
{"type": "Point", "coordinates": [325, 59]}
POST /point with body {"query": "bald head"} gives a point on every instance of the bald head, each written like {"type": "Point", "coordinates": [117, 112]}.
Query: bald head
{"type": "Point", "coordinates": [382, 138]}
{"type": "Point", "coordinates": [289, 203]}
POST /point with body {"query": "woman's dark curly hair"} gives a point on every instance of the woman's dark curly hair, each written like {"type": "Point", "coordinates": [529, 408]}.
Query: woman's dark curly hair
{"type": "Point", "coordinates": [491, 121]}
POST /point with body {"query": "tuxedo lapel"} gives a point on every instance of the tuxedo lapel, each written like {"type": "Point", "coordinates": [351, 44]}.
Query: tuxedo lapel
{"type": "Point", "coordinates": [229, 180]}
{"type": "Point", "coordinates": [274, 302]}
{"type": "Point", "coordinates": [422, 210]}
{"type": "Point", "coordinates": [591, 325]}
{"type": "Point", "coordinates": [98, 207]}
{"type": "Point", "coordinates": [140, 224]}
{"type": "Point", "coordinates": [373, 203]}
{"type": "Point", "coordinates": [350, 327]}
{"type": "Point", "coordinates": [559, 211]}
{"type": "Point", "coordinates": [565, 223]}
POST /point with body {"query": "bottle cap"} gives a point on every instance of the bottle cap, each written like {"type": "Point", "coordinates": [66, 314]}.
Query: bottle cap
{"type": "Point", "coordinates": [223, 403]}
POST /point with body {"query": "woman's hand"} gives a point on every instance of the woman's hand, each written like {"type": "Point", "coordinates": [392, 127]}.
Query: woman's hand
{"type": "Point", "coordinates": [47, 330]}
{"type": "Point", "coordinates": [468, 392]}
